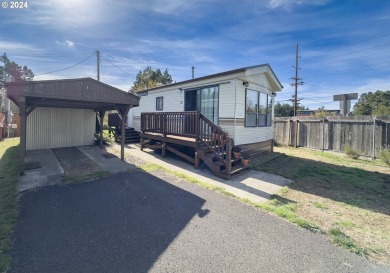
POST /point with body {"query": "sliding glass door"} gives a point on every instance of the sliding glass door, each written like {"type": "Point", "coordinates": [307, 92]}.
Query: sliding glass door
{"type": "Point", "coordinates": [209, 103]}
{"type": "Point", "coordinates": [205, 101]}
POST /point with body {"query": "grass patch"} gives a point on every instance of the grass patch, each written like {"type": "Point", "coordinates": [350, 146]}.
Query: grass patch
{"type": "Point", "coordinates": [9, 175]}
{"type": "Point", "coordinates": [334, 192]}
{"type": "Point", "coordinates": [346, 224]}
{"type": "Point", "coordinates": [319, 205]}
{"type": "Point", "coordinates": [287, 210]}
{"type": "Point", "coordinates": [350, 152]}
{"type": "Point", "coordinates": [86, 177]}
{"type": "Point", "coordinates": [385, 156]}
{"type": "Point", "coordinates": [343, 240]}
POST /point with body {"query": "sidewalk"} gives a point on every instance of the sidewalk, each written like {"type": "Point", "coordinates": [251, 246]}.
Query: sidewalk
{"type": "Point", "coordinates": [254, 185]}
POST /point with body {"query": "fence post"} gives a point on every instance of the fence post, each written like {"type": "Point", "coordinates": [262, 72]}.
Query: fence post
{"type": "Point", "coordinates": [373, 137]}
{"type": "Point", "coordinates": [296, 133]}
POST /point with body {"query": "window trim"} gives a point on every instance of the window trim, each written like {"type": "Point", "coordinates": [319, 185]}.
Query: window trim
{"type": "Point", "coordinates": [269, 98]}
{"type": "Point", "coordinates": [246, 93]}
{"type": "Point", "coordinates": [162, 103]}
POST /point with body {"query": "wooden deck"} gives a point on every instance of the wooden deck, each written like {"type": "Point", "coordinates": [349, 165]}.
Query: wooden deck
{"type": "Point", "coordinates": [187, 141]}
{"type": "Point", "coordinates": [192, 137]}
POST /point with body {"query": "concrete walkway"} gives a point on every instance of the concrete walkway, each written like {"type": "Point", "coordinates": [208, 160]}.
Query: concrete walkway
{"type": "Point", "coordinates": [254, 185]}
{"type": "Point", "coordinates": [50, 171]}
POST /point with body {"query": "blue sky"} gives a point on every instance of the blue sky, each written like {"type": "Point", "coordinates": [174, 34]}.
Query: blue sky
{"type": "Point", "coordinates": [344, 45]}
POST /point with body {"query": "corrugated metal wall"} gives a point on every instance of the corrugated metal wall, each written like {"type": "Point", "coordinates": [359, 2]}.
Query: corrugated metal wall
{"type": "Point", "coordinates": [60, 127]}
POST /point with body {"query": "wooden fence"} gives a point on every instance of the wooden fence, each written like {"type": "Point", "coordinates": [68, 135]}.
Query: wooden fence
{"type": "Point", "coordinates": [365, 134]}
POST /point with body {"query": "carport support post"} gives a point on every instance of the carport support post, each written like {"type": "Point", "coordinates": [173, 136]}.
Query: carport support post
{"type": "Point", "coordinates": [101, 117]}
{"type": "Point", "coordinates": [23, 119]}
{"type": "Point", "coordinates": [123, 131]}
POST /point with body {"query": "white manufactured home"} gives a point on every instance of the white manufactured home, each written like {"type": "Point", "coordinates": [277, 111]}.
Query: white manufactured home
{"type": "Point", "coordinates": [238, 103]}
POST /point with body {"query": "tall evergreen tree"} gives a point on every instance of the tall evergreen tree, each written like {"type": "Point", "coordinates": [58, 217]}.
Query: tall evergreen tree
{"type": "Point", "coordinates": [17, 72]}
{"type": "Point", "coordinates": [149, 78]}
{"type": "Point", "coordinates": [377, 103]}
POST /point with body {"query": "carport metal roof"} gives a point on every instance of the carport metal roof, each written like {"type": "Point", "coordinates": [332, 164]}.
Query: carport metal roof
{"type": "Point", "coordinates": [84, 93]}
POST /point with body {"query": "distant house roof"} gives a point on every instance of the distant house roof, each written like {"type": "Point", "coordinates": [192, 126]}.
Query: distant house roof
{"type": "Point", "coordinates": [230, 72]}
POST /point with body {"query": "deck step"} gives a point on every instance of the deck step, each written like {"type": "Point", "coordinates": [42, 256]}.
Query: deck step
{"type": "Point", "coordinates": [236, 169]}
{"type": "Point", "coordinates": [233, 161]}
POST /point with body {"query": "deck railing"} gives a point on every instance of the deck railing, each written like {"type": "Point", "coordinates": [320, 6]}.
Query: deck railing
{"type": "Point", "coordinates": [191, 124]}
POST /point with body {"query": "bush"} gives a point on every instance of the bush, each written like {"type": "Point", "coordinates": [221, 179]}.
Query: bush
{"type": "Point", "coordinates": [350, 152]}
{"type": "Point", "coordinates": [385, 155]}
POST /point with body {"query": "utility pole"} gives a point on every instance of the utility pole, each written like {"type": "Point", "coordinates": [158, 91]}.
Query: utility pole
{"type": "Point", "coordinates": [296, 82]}
{"type": "Point", "coordinates": [98, 64]}
{"type": "Point", "coordinates": [193, 71]}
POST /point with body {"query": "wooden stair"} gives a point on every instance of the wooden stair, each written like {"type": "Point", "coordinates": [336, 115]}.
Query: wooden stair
{"type": "Point", "coordinates": [218, 167]}
{"type": "Point", "coordinates": [131, 136]}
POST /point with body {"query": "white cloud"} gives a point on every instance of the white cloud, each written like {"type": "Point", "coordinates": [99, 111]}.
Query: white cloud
{"type": "Point", "coordinates": [288, 3]}
{"type": "Point", "coordinates": [69, 43]}
{"type": "Point", "coordinates": [6, 46]}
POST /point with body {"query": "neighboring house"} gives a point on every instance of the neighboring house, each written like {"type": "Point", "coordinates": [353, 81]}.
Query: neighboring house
{"type": "Point", "coordinates": [240, 102]}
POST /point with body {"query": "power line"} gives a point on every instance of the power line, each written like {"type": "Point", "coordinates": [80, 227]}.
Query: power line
{"type": "Point", "coordinates": [118, 67]}
{"type": "Point", "coordinates": [66, 67]}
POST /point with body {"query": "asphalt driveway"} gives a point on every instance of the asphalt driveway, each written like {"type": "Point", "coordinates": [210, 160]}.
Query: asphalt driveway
{"type": "Point", "coordinates": [138, 222]}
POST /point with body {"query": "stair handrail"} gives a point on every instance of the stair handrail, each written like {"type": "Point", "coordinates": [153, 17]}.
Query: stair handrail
{"type": "Point", "coordinates": [215, 139]}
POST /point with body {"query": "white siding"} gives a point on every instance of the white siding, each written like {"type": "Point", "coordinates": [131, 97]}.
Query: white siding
{"type": "Point", "coordinates": [60, 127]}
{"type": "Point", "coordinates": [173, 102]}
{"type": "Point", "coordinates": [246, 135]}
{"type": "Point", "coordinates": [226, 100]}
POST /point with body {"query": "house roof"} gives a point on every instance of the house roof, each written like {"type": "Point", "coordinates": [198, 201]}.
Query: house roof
{"type": "Point", "coordinates": [85, 93]}
{"type": "Point", "coordinates": [226, 73]}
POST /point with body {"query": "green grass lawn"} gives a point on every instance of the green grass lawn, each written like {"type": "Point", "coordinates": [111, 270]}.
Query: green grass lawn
{"type": "Point", "coordinates": [349, 200]}
{"type": "Point", "coordinates": [9, 172]}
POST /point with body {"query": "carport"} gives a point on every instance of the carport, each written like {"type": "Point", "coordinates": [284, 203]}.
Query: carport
{"type": "Point", "coordinates": [84, 93]}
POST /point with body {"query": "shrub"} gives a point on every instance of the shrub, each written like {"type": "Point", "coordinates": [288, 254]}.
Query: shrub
{"type": "Point", "coordinates": [385, 155]}
{"type": "Point", "coordinates": [350, 152]}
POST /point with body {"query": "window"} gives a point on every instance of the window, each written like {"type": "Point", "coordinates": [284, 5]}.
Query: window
{"type": "Point", "coordinates": [159, 103]}
{"type": "Point", "coordinates": [251, 108]}
{"type": "Point", "coordinates": [208, 105]}
{"type": "Point", "coordinates": [258, 109]}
